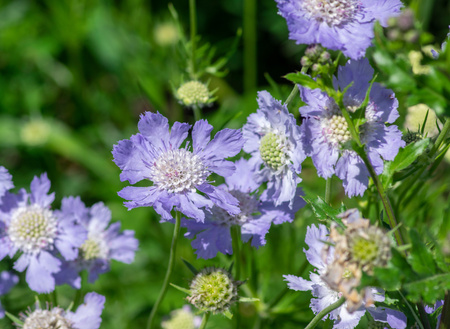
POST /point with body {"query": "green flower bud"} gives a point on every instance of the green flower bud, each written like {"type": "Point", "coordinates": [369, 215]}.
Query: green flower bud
{"type": "Point", "coordinates": [412, 137]}
{"type": "Point", "coordinates": [271, 149]}
{"type": "Point", "coordinates": [193, 93]}
{"type": "Point", "coordinates": [213, 290]}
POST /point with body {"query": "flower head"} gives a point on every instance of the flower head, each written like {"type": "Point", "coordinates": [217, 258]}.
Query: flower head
{"type": "Point", "coordinates": [5, 181]}
{"type": "Point", "coordinates": [29, 226]}
{"type": "Point", "coordinates": [345, 25]}
{"type": "Point", "coordinates": [326, 134]}
{"type": "Point", "coordinates": [177, 173]}
{"type": "Point", "coordinates": [256, 216]}
{"type": "Point", "coordinates": [272, 137]}
{"type": "Point", "coordinates": [182, 318]}
{"type": "Point", "coordinates": [103, 243]}
{"type": "Point", "coordinates": [87, 316]}
{"type": "Point", "coordinates": [194, 93]}
{"type": "Point", "coordinates": [7, 281]}
{"type": "Point", "coordinates": [326, 295]}
{"type": "Point", "coordinates": [213, 290]}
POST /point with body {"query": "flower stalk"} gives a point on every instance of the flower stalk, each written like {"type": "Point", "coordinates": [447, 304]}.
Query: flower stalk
{"type": "Point", "coordinates": [173, 251]}
{"type": "Point", "coordinates": [193, 27]}
{"type": "Point", "coordinates": [204, 320]}
{"type": "Point", "coordinates": [324, 312]}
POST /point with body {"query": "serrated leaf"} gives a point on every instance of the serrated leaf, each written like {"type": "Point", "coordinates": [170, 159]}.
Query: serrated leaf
{"type": "Point", "coordinates": [321, 209]}
{"type": "Point", "coordinates": [302, 79]}
{"type": "Point", "coordinates": [429, 289]}
{"type": "Point", "coordinates": [388, 277]}
{"type": "Point", "coordinates": [404, 158]}
{"type": "Point", "coordinates": [420, 258]}
{"type": "Point", "coordinates": [190, 266]}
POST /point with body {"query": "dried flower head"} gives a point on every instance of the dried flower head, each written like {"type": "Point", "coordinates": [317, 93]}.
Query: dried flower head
{"type": "Point", "coordinates": [213, 290]}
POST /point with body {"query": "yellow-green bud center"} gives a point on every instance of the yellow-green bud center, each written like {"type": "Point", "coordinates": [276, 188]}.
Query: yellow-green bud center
{"type": "Point", "coordinates": [272, 152]}
{"type": "Point", "coordinates": [193, 93]}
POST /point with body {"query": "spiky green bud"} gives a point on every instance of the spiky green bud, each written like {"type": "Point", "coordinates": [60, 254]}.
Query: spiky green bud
{"type": "Point", "coordinates": [213, 290]}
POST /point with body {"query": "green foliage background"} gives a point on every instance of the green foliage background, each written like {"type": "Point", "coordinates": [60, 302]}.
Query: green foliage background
{"type": "Point", "coordinates": [76, 74]}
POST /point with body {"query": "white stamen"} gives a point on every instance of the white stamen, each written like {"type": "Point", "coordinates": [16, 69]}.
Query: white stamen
{"type": "Point", "coordinates": [333, 12]}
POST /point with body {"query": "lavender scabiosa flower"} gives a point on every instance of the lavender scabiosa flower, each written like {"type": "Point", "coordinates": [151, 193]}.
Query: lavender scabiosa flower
{"type": "Point", "coordinates": [256, 216]}
{"type": "Point", "coordinates": [325, 295]}
{"type": "Point", "coordinates": [273, 139]}
{"type": "Point", "coordinates": [87, 315]}
{"type": "Point", "coordinates": [326, 133]}
{"type": "Point", "coordinates": [103, 243]}
{"type": "Point", "coordinates": [29, 226]}
{"type": "Point", "coordinates": [177, 173]}
{"type": "Point", "coordinates": [7, 281]}
{"type": "Point", "coordinates": [5, 181]}
{"type": "Point", "coordinates": [345, 25]}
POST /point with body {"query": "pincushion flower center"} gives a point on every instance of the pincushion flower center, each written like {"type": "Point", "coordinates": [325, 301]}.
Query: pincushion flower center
{"type": "Point", "coordinates": [336, 130]}
{"type": "Point", "coordinates": [45, 319]}
{"type": "Point", "coordinates": [272, 150]}
{"type": "Point", "coordinates": [178, 171]}
{"type": "Point", "coordinates": [332, 12]}
{"type": "Point", "coordinates": [247, 203]}
{"type": "Point", "coordinates": [32, 228]}
{"type": "Point", "coordinates": [94, 248]}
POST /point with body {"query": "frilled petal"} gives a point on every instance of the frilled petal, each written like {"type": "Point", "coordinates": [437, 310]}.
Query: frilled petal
{"type": "Point", "coordinates": [123, 246]}
{"type": "Point", "coordinates": [297, 283]}
{"type": "Point", "coordinates": [314, 239]}
{"type": "Point", "coordinates": [359, 73]}
{"type": "Point", "coordinates": [140, 196]}
{"type": "Point", "coordinates": [201, 135]}
{"type": "Point", "coordinates": [178, 134]}
{"type": "Point", "coordinates": [155, 128]}
{"type": "Point", "coordinates": [243, 178]}
{"type": "Point", "coordinates": [132, 162]}
{"type": "Point", "coordinates": [39, 273]}
{"type": "Point", "coordinates": [395, 319]}
{"type": "Point", "coordinates": [5, 181]}
{"type": "Point", "coordinates": [226, 143]}
{"type": "Point", "coordinates": [385, 141]}
{"type": "Point", "coordinates": [221, 198]}
{"type": "Point", "coordinates": [88, 315]}
{"type": "Point", "coordinates": [40, 186]}
{"type": "Point", "coordinates": [354, 174]}
{"type": "Point", "coordinates": [348, 320]}
{"type": "Point", "coordinates": [382, 10]}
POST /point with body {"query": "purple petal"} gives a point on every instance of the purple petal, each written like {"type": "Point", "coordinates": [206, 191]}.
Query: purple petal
{"type": "Point", "coordinates": [39, 191]}
{"type": "Point", "coordinates": [88, 315]}
{"type": "Point", "coordinates": [297, 283]}
{"type": "Point", "coordinates": [201, 135]}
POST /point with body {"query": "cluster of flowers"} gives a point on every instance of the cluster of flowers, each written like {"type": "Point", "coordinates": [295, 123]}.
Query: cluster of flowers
{"type": "Point", "coordinates": [56, 245]}
{"type": "Point", "coordinates": [340, 256]}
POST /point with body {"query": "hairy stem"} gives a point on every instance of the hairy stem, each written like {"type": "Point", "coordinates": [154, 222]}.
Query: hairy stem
{"type": "Point", "coordinates": [173, 251]}
{"type": "Point", "coordinates": [324, 312]}
{"type": "Point", "coordinates": [328, 190]}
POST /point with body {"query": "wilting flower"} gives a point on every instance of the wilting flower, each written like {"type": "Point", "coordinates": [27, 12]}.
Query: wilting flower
{"type": "Point", "coordinates": [345, 25]}
{"type": "Point", "coordinates": [326, 134]}
{"type": "Point", "coordinates": [5, 181]}
{"type": "Point", "coordinates": [182, 318]}
{"type": "Point", "coordinates": [177, 173]}
{"type": "Point", "coordinates": [7, 281]}
{"type": "Point", "coordinates": [29, 226]}
{"type": "Point", "coordinates": [103, 244]}
{"type": "Point", "coordinates": [272, 137]}
{"type": "Point", "coordinates": [325, 295]}
{"type": "Point", "coordinates": [256, 216]}
{"type": "Point", "coordinates": [87, 316]}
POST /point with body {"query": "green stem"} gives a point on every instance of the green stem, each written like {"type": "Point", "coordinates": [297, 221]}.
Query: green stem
{"type": "Point", "coordinates": [324, 312]}
{"type": "Point", "coordinates": [423, 316]}
{"type": "Point", "coordinates": [250, 58]}
{"type": "Point", "coordinates": [173, 251]}
{"type": "Point", "coordinates": [328, 190]}
{"type": "Point", "coordinates": [54, 298]}
{"type": "Point", "coordinates": [292, 95]}
{"type": "Point", "coordinates": [197, 112]}
{"type": "Point", "coordinates": [445, 317]}
{"type": "Point", "coordinates": [236, 251]}
{"type": "Point", "coordinates": [412, 310]}
{"type": "Point", "coordinates": [362, 153]}
{"type": "Point", "coordinates": [193, 23]}
{"type": "Point", "coordinates": [204, 320]}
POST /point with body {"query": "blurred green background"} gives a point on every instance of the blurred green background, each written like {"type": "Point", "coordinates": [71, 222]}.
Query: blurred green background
{"type": "Point", "coordinates": [74, 77]}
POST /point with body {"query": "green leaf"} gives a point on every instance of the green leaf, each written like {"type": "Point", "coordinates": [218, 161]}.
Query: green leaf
{"type": "Point", "coordinates": [186, 291]}
{"type": "Point", "coordinates": [248, 299]}
{"type": "Point", "coordinates": [190, 266]}
{"type": "Point", "coordinates": [428, 289]}
{"type": "Point", "coordinates": [228, 314]}
{"type": "Point", "coordinates": [420, 258]}
{"type": "Point", "coordinates": [14, 319]}
{"type": "Point", "coordinates": [321, 209]}
{"type": "Point", "coordinates": [302, 79]}
{"type": "Point", "coordinates": [404, 158]}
